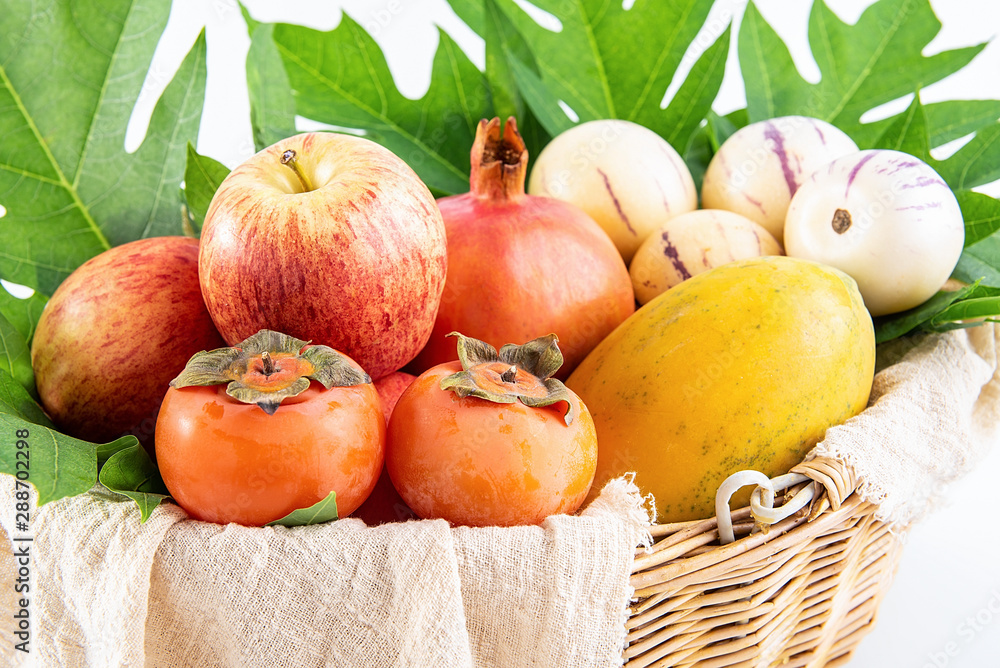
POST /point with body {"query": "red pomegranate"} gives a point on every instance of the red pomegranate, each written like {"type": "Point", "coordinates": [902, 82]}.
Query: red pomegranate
{"type": "Point", "coordinates": [521, 266]}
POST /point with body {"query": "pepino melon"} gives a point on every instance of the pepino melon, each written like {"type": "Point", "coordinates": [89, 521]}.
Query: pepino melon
{"type": "Point", "coordinates": [744, 366]}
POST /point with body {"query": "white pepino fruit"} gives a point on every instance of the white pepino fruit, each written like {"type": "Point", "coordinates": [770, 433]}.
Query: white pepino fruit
{"type": "Point", "coordinates": [884, 217]}
{"type": "Point", "coordinates": [692, 243]}
{"type": "Point", "coordinates": [757, 170]}
{"type": "Point", "coordinates": [625, 176]}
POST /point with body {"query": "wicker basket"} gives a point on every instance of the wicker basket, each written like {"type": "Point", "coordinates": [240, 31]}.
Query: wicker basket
{"type": "Point", "coordinates": [801, 592]}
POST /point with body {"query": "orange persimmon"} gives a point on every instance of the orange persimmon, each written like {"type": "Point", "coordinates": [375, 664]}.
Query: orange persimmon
{"type": "Point", "coordinates": [291, 424]}
{"type": "Point", "coordinates": [492, 439]}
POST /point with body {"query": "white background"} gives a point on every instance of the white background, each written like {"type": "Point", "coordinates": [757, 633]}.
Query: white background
{"type": "Point", "coordinates": [944, 607]}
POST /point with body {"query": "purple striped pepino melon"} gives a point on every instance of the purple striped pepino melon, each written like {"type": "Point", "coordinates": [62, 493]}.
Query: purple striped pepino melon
{"type": "Point", "coordinates": [694, 242]}
{"type": "Point", "coordinates": [623, 175]}
{"type": "Point", "coordinates": [758, 168]}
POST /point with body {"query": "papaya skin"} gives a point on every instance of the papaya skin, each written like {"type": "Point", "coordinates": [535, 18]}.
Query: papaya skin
{"type": "Point", "coordinates": [742, 367]}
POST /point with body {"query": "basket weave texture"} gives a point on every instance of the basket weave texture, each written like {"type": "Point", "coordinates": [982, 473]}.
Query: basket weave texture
{"type": "Point", "coordinates": [802, 592]}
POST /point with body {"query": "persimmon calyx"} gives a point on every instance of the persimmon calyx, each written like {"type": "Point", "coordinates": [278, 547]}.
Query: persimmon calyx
{"type": "Point", "coordinates": [269, 367]}
{"type": "Point", "coordinates": [514, 373]}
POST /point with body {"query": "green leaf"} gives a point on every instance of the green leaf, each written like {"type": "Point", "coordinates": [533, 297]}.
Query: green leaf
{"type": "Point", "coordinates": [981, 214]}
{"type": "Point", "coordinates": [15, 401]}
{"type": "Point", "coordinates": [898, 324]}
{"type": "Point", "coordinates": [981, 302]}
{"type": "Point", "coordinates": [908, 133]}
{"type": "Point", "coordinates": [472, 13]}
{"type": "Point", "coordinates": [56, 464]}
{"type": "Point", "coordinates": [505, 49]}
{"type": "Point", "coordinates": [503, 43]}
{"type": "Point", "coordinates": [980, 261]}
{"type": "Point", "coordinates": [954, 119]}
{"type": "Point", "coordinates": [15, 356]}
{"type": "Point", "coordinates": [862, 66]}
{"type": "Point", "coordinates": [202, 178]}
{"type": "Point", "coordinates": [773, 85]}
{"type": "Point", "coordinates": [106, 450]}
{"type": "Point", "coordinates": [59, 465]}
{"type": "Point", "coordinates": [318, 513]}
{"type": "Point", "coordinates": [698, 155]}
{"type": "Point", "coordinates": [946, 121]}
{"type": "Point", "coordinates": [975, 164]}
{"type": "Point", "coordinates": [22, 314]}
{"type": "Point", "coordinates": [130, 472]}
{"type": "Point", "coordinates": [696, 94]}
{"type": "Point", "coordinates": [70, 74]}
{"type": "Point", "coordinates": [540, 100]}
{"type": "Point", "coordinates": [721, 128]}
{"type": "Point", "coordinates": [612, 62]}
{"type": "Point", "coordinates": [272, 106]}
{"type": "Point", "coordinates": [341, 78]}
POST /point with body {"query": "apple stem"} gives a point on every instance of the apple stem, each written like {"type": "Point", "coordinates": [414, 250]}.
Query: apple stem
{"type": "Point", "coordinates": [288, 159]}
{"type": "Point", "coordinates": [265, 358]}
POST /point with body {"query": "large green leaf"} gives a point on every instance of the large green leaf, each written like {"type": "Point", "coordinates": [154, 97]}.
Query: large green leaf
{"type": "Point", "coordinates": [612, 62]}
{"type": "Point", "coordinates": [908, 133]}
{"type": "Point", "coordinates": [947, 120]}
{"type": "Point", "coordinates": [70, 73]}
{"type": "Point", "coordinates": [473, 12]}
{"type": "Point", "coordinates": [23, 314]}
{"type": "Point", "coordinates": [506, 49]}
{"type": "Point", "coordinates": [59, 465]}
{"type": "Point", "coordinates": [980, 260]}
{"type": "Point", "coordinates": [15, 355]}
{"type": "Point", "coordinates": [15, 401]}
{"type": "Point", "coordinates": [272, 106]}
{"type": "Point", "coordinates": [975, 164]}
{"type": "Point", "coordinates": [862, 66]}
{"type": "Point", "coordinates": [202, 177]}
{"type": "Point", "coordinates": [341, 78]}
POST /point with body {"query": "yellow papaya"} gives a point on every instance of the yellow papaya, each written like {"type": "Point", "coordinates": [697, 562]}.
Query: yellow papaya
{"type": "Point", "coordinates": [744, 366]}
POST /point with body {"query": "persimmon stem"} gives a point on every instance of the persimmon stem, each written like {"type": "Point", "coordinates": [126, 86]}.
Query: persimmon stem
{"type": "Point", "coordinates": [288, 159]}
{"type": "Point", "coordinates": [509, 375]}
{"type": "Point", "coordinates": [268, 363]}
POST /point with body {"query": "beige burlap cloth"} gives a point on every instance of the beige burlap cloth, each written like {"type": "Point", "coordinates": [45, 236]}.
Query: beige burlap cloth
{"type": "Point", "coordinates": [934, 412]}
{"type": "Point", "coordinates": [175, 592]}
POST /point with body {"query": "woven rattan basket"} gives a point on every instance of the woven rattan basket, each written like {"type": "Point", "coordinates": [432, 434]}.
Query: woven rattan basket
{"type": "Point", "coordinates": [801, 592]}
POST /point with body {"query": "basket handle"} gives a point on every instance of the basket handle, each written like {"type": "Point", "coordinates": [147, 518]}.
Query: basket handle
{"type": "Point", "coordinates": [832, 476]}
{"type": "Point", "coordinates": [836, 477]}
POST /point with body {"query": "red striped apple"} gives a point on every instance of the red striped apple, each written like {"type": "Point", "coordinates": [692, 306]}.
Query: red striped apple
{"type": "Point", "coordinates": [331, 239]}
{"type": "Point", "coordinates": [114, 335]}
